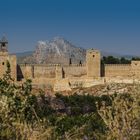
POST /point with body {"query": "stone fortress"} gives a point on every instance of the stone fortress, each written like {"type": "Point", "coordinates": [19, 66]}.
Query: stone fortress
{"type": "Point", "coordinates": [66, 77]}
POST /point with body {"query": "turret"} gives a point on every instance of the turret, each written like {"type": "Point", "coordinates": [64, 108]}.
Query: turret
{"type": "Point", "coordinates": [3, 44]}
{"type": "Point", "coordinates": [4, 57]}
{"type": "Point", "coordinates": [93, 63]}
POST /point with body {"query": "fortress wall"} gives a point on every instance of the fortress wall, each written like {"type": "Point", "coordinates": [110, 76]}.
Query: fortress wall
{"type": "Point", "coordinates": [3, 64]}
{"type": "Point", "coordinates": [24, 71]}
{"type": "Point", "coordinates": [3, 67]}
{"type": "Point", "coordinates": [44, 71]}
{"type": "Point", "coordinates": [37, 71]}
{"type": "Point", "coordinates": [74, 71]}
{"type": "Point", "coordinates": [13, 64]}
{"type": "Point", "coordinates": [122, 70]}
{"type": "Point", "coordinates": [49, 71]}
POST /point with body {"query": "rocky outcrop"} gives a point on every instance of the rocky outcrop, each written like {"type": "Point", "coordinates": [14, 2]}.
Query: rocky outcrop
{"type": "Point", "coordinates": [58, 51]}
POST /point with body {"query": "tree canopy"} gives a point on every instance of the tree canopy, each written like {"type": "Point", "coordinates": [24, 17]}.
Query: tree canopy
{"type": "Point", "coordinates": [115, 60]}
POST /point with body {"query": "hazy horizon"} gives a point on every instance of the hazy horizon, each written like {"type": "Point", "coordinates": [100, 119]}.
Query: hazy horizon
{"type": "Point", "coordinates": [111, 26]}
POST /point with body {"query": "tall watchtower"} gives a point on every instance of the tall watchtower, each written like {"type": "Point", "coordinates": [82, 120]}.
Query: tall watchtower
{"type": "Point", "coordinates": [3, 44]}
{"type": "Point", "coordinates": [4, 57]}
{"type": "Point", "coordinates": [93, 63]}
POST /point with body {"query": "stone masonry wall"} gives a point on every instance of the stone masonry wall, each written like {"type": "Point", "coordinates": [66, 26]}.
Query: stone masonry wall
{"type": "Point", "coordinates": [3, 61]}
{"type": "Point", "coordinates": [13, 65]}
{"type": "Point", "coordinates": [37, 71]}
{"type": "Point", "coordinates": [45, 71]}
{"type": "Point", "coordinates": [121, 70]}
{"type": "Point", "coordinates": [4, 57]}
{"type": "Point", "coordinates": [93, 61]}
{"type": "Point", "coordinates": [74, 71]}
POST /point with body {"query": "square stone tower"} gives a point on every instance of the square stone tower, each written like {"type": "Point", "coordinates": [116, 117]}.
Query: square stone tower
{"type": "Point", "coordinates": [4, 57]}
{"type": "Point", "coordinates": [93, 63]}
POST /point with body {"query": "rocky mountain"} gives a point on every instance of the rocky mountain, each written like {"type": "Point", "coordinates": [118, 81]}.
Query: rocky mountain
{"type": "Point", "coordinates": [58, 51]}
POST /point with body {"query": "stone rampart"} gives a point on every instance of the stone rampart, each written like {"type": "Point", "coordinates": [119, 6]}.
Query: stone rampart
{"type": "Point", "coordinates": [37, 71]}
{"type": "Point", "coordinates": [74, 71]}
{"type": "Point", "coordinates": [49, 71]}
{"type": "Point", "coordinates": [4, 58]}
{"type": "Point", "coordinates": [63, 77]}
{"type": "Point", "coordinates": [114, 70]}
{"type": "Point", "coordinates": [13, 65]}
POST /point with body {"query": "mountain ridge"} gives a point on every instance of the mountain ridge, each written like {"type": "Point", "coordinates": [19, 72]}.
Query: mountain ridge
{"type": "Point", "coordinates": [59, 50]}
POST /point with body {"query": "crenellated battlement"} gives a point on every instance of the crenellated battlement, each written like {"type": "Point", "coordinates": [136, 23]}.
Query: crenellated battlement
{"type": "Point", "coordinates": [113, 70]}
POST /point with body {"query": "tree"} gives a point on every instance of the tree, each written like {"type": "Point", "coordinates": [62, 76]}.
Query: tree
{"type": "Point", "coordinates": [123, 60]}
{"type": "Point", "coordinates": [15, 105]}
{"type": "Point", "coordinates": [136, 58]}
{"type": "Point", "coordinates": [114, 60]}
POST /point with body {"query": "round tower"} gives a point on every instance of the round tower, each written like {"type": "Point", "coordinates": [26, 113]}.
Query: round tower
{"type": "Point", "coordinates": [93, 63]}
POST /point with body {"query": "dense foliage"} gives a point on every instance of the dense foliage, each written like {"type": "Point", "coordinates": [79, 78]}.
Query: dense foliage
{"type": "Point", "coordinates": [115, 60]}
{"type": "Point", "coordinates": [28, 116]}
{"type": "Point", "coordinates": [136, 58]}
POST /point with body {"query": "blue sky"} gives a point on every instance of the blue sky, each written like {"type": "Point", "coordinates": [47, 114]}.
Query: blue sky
{"type": "Point", "coordinates": [108, 25]}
